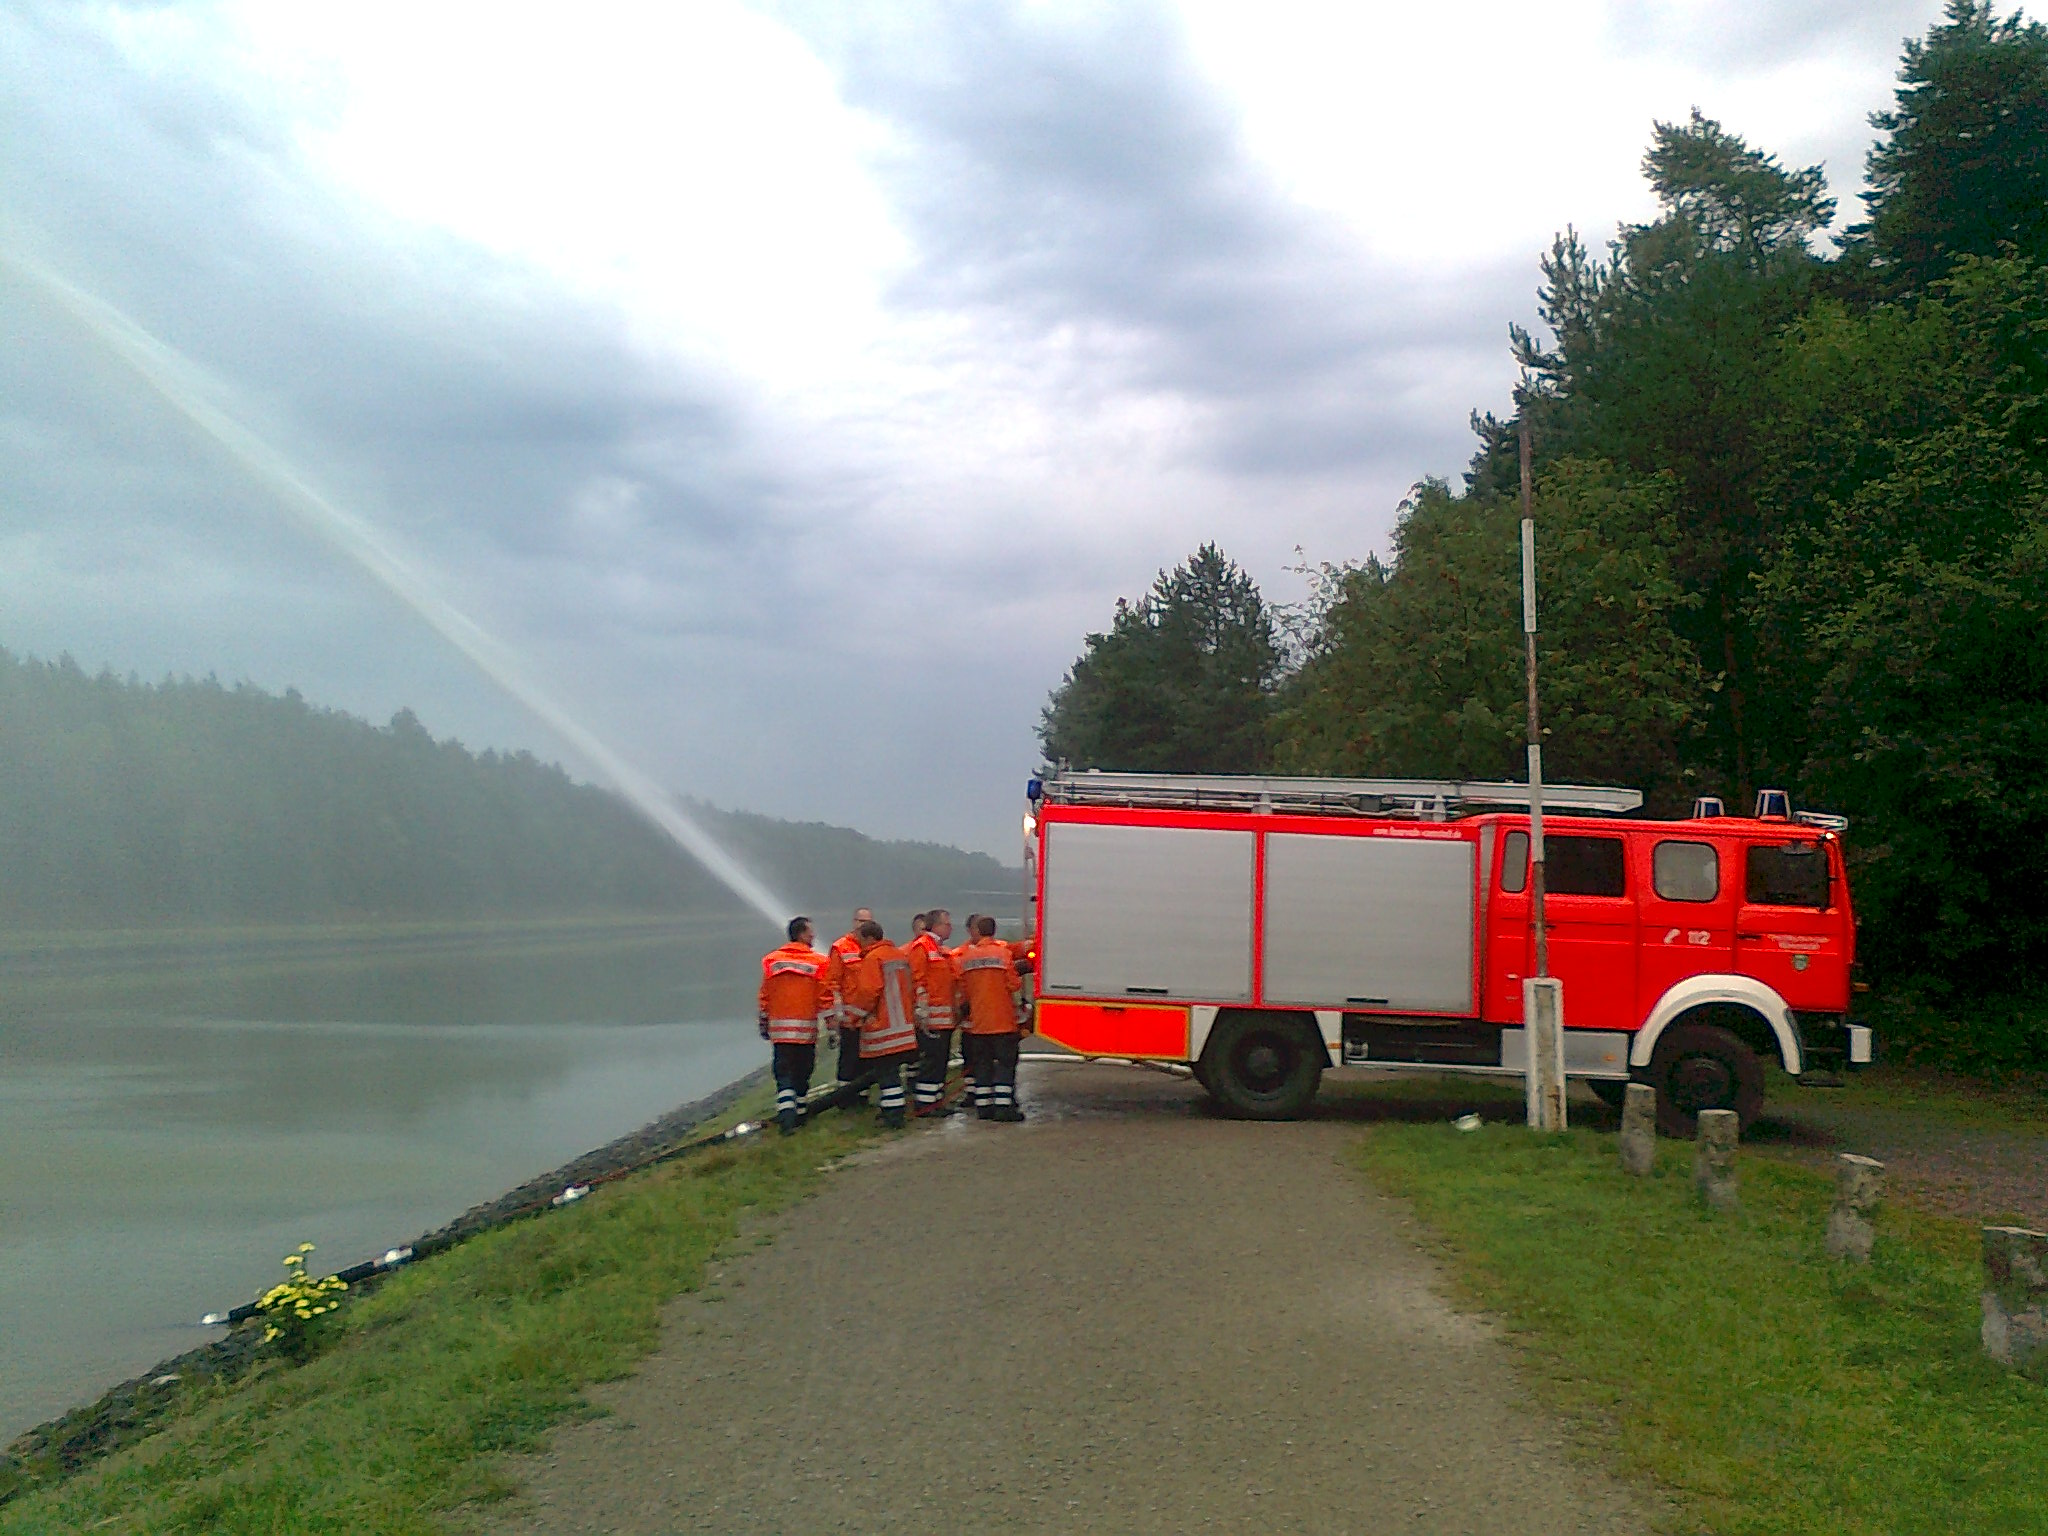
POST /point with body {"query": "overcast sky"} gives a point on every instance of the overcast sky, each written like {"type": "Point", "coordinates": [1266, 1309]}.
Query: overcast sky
{"type": "Point", "coordinates": [793, 386]}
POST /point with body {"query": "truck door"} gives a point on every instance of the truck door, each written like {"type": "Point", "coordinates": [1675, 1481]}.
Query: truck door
{"type": "Point", "coordinates": [1688, 907]}
{"type": "Point", "coordinates": [1789, 929]}
{"type": "Point", "coordinates": [1591, 923]}
{"type": "Point", "coordinates": [1591, 917]}
{"type": "Point", "coordinates": [1507, 932]}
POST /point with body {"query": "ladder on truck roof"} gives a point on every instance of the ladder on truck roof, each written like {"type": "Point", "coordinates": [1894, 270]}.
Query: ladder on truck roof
{"type": "Point", "coordinates": [1430, 799]}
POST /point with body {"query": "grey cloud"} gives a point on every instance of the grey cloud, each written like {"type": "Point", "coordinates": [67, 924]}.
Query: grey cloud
{"type": "Point", "coordinates": [1083, 176]}
{"type": "Point", "coordinates": [1747, 34]}
{"type": "Point", "coordinates": [465, 405]}
{"type": "Point", "coordinates": [479, 391]}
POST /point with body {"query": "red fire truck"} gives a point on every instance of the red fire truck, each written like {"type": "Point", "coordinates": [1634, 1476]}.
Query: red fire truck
{"type": "Point", "coordinates": [1266, 930]}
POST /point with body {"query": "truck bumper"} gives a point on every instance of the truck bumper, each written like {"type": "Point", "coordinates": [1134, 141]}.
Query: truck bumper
{"type": "Point", "coordinates": [1830, 1044]}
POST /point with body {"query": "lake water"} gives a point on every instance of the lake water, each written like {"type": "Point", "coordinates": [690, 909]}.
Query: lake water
{"type": "Point", "coordinates": [155, 1166]}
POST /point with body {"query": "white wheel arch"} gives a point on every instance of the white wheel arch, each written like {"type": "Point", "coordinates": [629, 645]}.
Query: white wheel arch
{"type": "Point", "coordinates": [1329, 1025]}
{"type": "Point", "coordinates": [1742, 992]}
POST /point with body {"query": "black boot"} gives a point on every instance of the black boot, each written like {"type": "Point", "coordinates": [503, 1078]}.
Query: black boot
{"type": "Point", "coordinates": [892, 1118]}
{"type": "Point", "coordinates": [787, 1121]}
{"type": "Point", "coordinates": [1008, 1114]}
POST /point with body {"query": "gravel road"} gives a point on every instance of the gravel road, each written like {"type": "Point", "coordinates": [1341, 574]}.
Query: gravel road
{"type": "Point", "coordinates": [1126, 1315]}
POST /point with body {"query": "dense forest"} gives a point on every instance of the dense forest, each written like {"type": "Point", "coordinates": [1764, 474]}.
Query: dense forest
{"type": "Point", "coordinates": [191, 802]}
{"type": "Point", "coordinates": [1792, 513]}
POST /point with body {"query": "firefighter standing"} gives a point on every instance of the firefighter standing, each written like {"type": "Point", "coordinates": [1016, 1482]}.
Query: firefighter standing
{"type": "Point", "coordinates": [931, 966]}
{"type": "Point", "coordinates": [840, 963]}
{"type": "Point", "coordinates": [794, 998]}
{"type": "Point", "coordinates": [960, 1013]}
{"type": "Point", "coordinates": [989, 985]}
{"type": "Point", "coordinates": [881, 994]}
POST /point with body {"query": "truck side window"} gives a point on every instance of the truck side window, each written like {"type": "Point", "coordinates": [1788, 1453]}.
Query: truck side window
{"type": "Point", "coordinates": [1584, 866]}
{"type": "Point", "coordinates": [1514, 861]}
{"type": "Point", "coordinates": [1686, 871]}
{"type": "Point", "coordinates": [1787, 875]}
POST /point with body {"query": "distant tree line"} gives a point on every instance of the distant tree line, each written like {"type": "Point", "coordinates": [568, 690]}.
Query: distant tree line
{"type": "Point", "coordinates": [1793, 530]}
{"type": "Point", "coordinates": [127, 803]}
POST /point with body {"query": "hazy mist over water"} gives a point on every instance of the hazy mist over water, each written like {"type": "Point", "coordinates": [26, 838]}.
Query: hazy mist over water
{"type": "Point", "coordinates": [161, 1159]}
{"type": "Point", "coordinates": [182, 387]}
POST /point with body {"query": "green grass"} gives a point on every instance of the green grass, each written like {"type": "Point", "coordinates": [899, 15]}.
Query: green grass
{"type": "Point", "coordinates": [448, 1366]}
{"type": "Point", "coordinates": [1765, 1388]}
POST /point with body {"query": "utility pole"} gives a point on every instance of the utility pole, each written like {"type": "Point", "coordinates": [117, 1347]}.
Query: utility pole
{"type": "Point", "coordinates": [1542, 996]}
{"type": "Point", "coordinates": [1535, 714]}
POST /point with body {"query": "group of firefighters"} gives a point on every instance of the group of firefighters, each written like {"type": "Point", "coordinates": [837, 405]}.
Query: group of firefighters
{"type": "Point", "coordinates": [893, 1010]}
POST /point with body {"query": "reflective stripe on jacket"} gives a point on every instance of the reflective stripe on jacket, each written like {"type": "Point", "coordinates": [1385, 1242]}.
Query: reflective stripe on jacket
{"type": "Point", "coordinates": [841, 960]}
{"type": "Point", "coordinates": [937, 981]}
{"type": "Point", "coordinates": [989, 985]}
{"type": "Point", "coordinates": [793, 995]}
{"type": "Point", "coordinates": [883, 995]}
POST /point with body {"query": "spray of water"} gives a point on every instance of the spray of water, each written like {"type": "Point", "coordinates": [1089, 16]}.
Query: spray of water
{"type": "Point", "coordinates": [181, 385]}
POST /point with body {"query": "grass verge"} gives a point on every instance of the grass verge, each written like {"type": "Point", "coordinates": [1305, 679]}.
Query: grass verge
{"type": "Point", "coordinates": [1764, 1387]}
{"type": "Point", "coordinates": [471, 1355]}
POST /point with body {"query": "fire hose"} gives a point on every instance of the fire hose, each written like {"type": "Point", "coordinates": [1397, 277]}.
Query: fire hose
{"type": "Point", "coordinates": [839, 1096]}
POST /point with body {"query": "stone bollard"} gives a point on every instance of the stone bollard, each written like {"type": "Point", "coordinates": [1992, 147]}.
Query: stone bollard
{"type": "Point", "coordinates": [1639, 1130]}
{"type": "Point", "coordinates": [1859, 1189]}
{"type": "Point", "coordinates": [1713, 1158]}
{"type": "Point", "coordinates": [2015, 1295]}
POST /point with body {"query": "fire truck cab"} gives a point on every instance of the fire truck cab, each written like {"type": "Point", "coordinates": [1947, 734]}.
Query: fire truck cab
{"type": "Point", "coordinates": [1264, 931]}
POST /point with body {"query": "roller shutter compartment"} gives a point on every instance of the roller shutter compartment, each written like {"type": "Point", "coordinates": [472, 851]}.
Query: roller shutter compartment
{"type": "Point", "coordinates": [1147, 912]}
{"type": "Point", "coordinates": [1369, 923]}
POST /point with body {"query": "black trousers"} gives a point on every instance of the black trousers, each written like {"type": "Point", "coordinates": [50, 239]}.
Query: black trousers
{"type": "Point", "coordinates": [992, 1061]}
{"type": "Point", "coordinates": [793, 1067]}
{"type": "Point", "coordinates": [886, 1072]}
{"type": "Point", "coordinates": [849, 1055]}
{"type": "Point", "coordinates": [934, 1055]}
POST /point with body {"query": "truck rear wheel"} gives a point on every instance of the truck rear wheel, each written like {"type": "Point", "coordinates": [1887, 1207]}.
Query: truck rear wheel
{"type": "Point", "coordinates": [1703, 1066]}
{"type": "Point", "coordinates": [1263, 1066]}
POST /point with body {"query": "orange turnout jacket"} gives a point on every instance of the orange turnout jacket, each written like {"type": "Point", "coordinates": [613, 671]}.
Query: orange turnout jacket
{"type": "Point", "coordinates": [882, 996]}
{"type": "Point", "coordinates": [989, 985]}
{"type": "Point", "coordinates": [841, 960]}
{"type": "Point", "coordinates": [794, 995]}
{"type": "Point", "coordinates": [932, 968]}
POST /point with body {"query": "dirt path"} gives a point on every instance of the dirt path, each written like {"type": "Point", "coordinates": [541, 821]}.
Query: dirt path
{"type": "Point", "coordinates": [1977, 1169]}
{"type": "Point", "coordinates": [1126, 1315]}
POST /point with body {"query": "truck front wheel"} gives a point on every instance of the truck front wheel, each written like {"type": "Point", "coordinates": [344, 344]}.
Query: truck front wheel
{"type": "Point", "coordinates": [1703, 1066]}
{"type": "Point", "coordinates": [1262, 1066]}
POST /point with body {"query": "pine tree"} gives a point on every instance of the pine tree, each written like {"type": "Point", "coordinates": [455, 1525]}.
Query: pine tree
{"type": "Point", "coordinates": [1962, 168]}
{"type": "Point", "coordinates": [1181, 682]}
